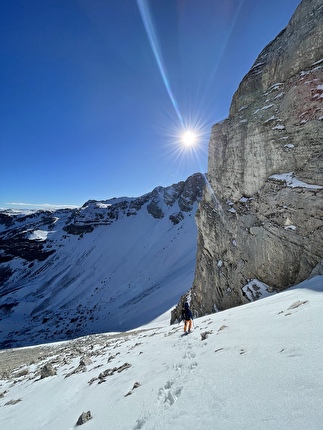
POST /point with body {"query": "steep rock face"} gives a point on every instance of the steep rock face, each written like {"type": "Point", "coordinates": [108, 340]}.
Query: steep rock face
{"type": "Point", "coordinates": [261, 217]}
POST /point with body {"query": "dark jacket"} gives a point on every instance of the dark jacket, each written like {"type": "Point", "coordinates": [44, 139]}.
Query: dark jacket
{"type": "Point", "coordinates": [187, 314]}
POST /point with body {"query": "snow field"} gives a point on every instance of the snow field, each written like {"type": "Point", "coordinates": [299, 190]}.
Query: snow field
{"type": "Point", "coordinates": [260, 366]}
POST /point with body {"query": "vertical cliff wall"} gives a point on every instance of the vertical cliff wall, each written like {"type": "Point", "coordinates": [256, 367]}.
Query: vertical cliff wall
{"type": "Point", "coordinates": [261, 218]}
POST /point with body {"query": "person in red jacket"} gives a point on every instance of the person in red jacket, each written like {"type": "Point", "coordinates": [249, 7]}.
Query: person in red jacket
{"type": "Point", "coordinates": [187, 317]}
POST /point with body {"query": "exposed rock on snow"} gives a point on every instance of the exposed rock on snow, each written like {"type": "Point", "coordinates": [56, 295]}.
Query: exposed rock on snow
{"type": "Point", "coordinates": [280, 99]}
{"type": "Point", "coordinates": [297, 304]}
{"type": "Point", "coordinates": [83, 418]}
{"type": "Point", "coordinates": [12, 402]}
{"type": "Point", "coordinates": [205, 334]}
{"type": "Point", "coordinates": [135, 386]}
{"type": "Point", "coordinates": [47, 370]}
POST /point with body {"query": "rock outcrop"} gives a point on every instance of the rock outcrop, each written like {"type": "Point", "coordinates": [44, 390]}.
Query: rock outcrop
{"type": "Point", "coordinates": [261, 217]}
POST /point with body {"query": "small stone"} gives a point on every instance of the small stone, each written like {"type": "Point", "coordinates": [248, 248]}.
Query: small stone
{"type": "Point", "coordinates": [83, 418]}
{"type": "Point", "coordinates": [85, 361]}
{"type": "Point", "coordinates": [136, 385]}
{"type": "Point", "coordinates": [47, 370]}
{"type": "Point", "coordinates": [3, 394]}
{"type": "Point", "coordinates": [205, 335]}
{"type": "Point", "coordinates": [297, 304]}
{"type": "Point", "coordinates": [222, 327]}
{"type": "Point", "coordinates": [12, 402]}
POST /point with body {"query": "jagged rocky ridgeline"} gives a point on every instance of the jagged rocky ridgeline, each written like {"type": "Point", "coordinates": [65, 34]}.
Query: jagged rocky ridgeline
{"type": "Point", "coordinates": [262, 216]}
{"type": "Point", "coordinates": [27, 236]}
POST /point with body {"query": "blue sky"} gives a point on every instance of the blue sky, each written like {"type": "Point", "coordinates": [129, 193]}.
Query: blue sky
{"type": "Point", "coordinates": [95, 94]}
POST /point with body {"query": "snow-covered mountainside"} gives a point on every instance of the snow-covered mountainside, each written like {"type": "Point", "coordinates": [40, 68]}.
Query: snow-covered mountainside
{"type": "Point", "coordinates": [108, 266]}
{"type": "Point", "coordinates": [257, 367]}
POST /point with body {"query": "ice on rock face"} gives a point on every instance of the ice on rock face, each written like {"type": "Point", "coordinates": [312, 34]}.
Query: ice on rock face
{"type": "Point", "coordinates": [291, 181]}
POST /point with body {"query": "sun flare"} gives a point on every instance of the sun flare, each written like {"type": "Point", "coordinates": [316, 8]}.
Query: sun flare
{"type": "Point", "coordinates": [189, 138]}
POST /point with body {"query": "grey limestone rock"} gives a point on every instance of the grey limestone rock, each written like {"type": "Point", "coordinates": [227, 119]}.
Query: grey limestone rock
{"type": "Point", "coordinates": [262, 215]}
{"type": "Point", "coordinates": [47, 370]}
{"type": "Point", "coordinates": [83, 418]}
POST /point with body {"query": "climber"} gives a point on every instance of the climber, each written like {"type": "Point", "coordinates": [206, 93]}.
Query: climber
{"type": "Point", "coordinates": [187, 317]}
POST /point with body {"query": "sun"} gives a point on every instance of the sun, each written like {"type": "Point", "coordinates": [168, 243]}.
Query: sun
{"type": "Point", "coordinates": [189, 138]}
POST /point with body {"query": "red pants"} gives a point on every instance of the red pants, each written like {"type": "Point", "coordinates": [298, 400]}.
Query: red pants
{"type": "Point", "coordinates": [187, 325]}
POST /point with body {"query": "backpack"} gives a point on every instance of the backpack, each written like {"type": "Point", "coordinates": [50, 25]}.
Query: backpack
{"type": "Point", "coordinates": [186, 314]}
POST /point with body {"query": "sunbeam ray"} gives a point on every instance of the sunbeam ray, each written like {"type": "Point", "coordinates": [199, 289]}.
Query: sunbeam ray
{"type": "Point", "coordinates": [152, 37]}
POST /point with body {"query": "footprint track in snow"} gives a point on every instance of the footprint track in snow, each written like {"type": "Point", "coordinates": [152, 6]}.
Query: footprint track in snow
{"type": "Point", "coordinates": [139, 424]}
{"type": "Point", "coordinates": [171, 391]}
{"type": "Point", "coordinates": [189, 355]}
{"type": "Point", "coordinates": [193, 365]}
{"type": "Point", "coordinates": [169, 394]}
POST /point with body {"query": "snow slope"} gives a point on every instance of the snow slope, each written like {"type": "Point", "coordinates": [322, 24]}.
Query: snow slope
{"type": "Point", "coordinates": [258, 366]}
{"type": "Point", "coordinates": [114, 265]}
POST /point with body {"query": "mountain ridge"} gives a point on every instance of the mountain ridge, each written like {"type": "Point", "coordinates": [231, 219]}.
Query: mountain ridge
{"type": "Point", "coordinates": [101, 267]}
